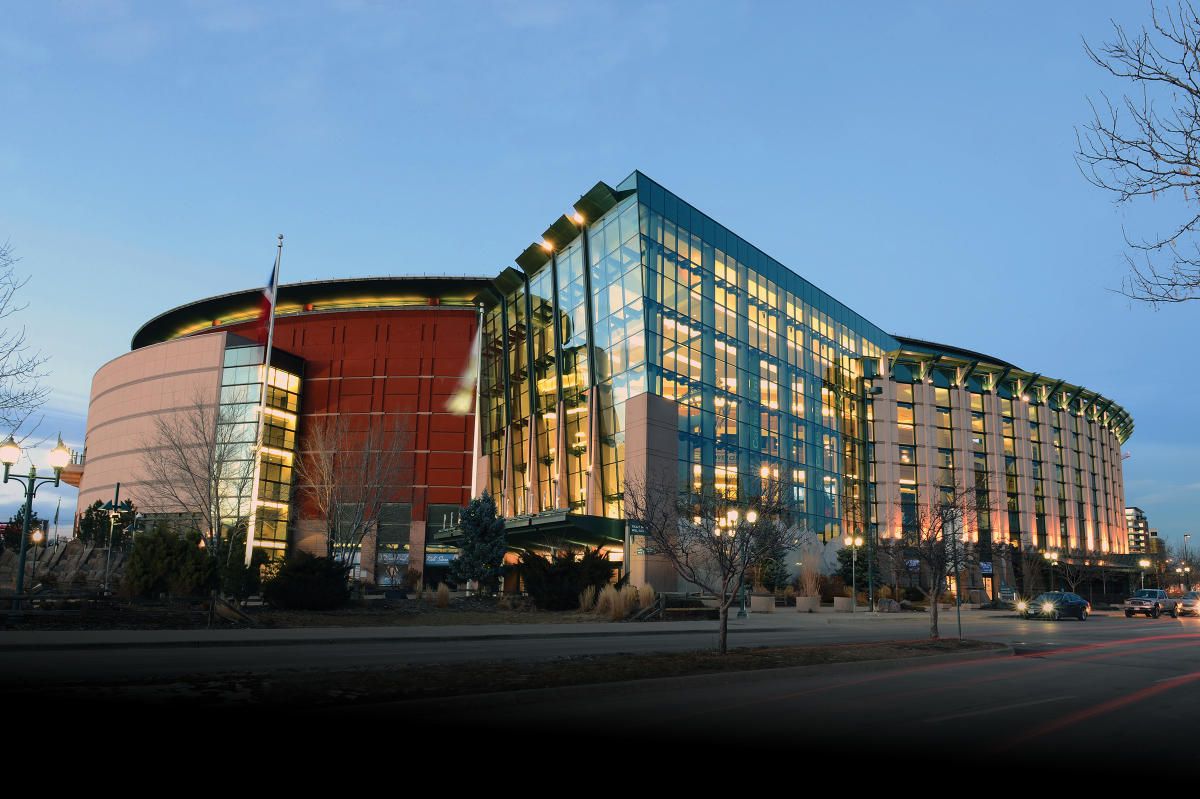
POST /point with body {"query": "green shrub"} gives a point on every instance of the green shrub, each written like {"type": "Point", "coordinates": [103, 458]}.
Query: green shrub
{"type": "Point", "coordinates": [555, 583]}
{"type": "Point", "coordinates": [237, 579]}
{"type": "Point", "coordinates": [306, 582]}
{"type": "Point", "coordinates": [165, 563]}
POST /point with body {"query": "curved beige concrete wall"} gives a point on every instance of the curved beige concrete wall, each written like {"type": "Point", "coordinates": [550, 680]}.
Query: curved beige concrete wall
{"type": "Point", "coordinates": [128, 393]}
{"type": "Point", "coordinates": [1088, 534]}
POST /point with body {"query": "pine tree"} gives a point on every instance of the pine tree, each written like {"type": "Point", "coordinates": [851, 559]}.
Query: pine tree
{"type": "Point", "coordinates": [481, 555]}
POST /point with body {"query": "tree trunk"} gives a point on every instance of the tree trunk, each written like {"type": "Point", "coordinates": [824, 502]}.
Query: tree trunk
{"type": "Point", "coordinates": [933, 614]}
{"type": "Point", "coordinates": [723, 637]}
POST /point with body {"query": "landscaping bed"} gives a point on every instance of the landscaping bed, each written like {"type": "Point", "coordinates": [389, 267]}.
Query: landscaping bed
{"type": "Point", "coordinates": [192, 615]}
{"type": "Point", "coordinates": [366, 686]}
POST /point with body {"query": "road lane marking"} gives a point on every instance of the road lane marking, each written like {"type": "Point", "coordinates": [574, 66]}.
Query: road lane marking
{"type": "Point", "coordinates": [996, 709]}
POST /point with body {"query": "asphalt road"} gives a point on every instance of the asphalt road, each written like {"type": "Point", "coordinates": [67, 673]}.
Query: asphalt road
{"type": "Point", "coordinates": [1095, 700]}
{"type": "Point", "coordinates": [1108, 695]}
{"type": "Point", "coordinates": [137, 663]}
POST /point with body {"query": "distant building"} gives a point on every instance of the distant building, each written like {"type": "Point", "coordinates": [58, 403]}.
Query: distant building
{"type": "Point", "coordinates": [1155, 545]}
{"type": "Point", "coordinates": [1139, 530]}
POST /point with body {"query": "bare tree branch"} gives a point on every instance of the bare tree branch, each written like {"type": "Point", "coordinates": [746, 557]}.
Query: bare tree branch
{"type": "Point", "coordinates": [938, 536]}
{"type": "Point", "coordinates": [710, 540]}
{"type": "Point", "coordinates": [199, 463]}
{"type": "Point", "coordinates": [347, 477]}
{"type": "Point", "coordinates": [21, 368]}
{"type": "Point", "coordinates": [1148, 145]}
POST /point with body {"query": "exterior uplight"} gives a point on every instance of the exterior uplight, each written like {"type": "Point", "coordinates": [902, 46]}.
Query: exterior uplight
{"type": "Point", "coordinates": [547, 246]}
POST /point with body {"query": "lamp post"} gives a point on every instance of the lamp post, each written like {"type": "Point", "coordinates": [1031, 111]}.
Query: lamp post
{"type": "Point", "coordinates": [1187, 562]}
{"type": "Point", "coordinates": [37, 538]}
{"type": "Point", "coordinates": [1144, 564]}
{"type": "Point", "coordinates": [1051, 562]}
{"type": "Point", "coordinates": [10, 453]}
{"type": "Point", "coordinates": [854, 542]}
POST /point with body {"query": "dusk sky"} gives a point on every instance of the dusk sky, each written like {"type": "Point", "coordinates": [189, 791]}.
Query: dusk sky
{"type": "Point", "coordinates": [914, 160]}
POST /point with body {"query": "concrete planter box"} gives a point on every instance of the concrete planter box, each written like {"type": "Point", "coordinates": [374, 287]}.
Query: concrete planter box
{"type": "Point", "coordinates": [762, 604]}
{"type": "Point", "coordinates": [808, 604]}
{"type": "Point", "coordinates": [843, 604]}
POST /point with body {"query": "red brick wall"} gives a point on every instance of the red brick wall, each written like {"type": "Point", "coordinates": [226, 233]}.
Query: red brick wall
{"type": "Point", "coordinates": [405, 365]}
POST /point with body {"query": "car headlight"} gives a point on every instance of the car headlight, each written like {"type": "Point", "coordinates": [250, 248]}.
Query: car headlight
{"type": "Point", "coordinates": [1022, 606]}
{"type": "Point", "coordinates": [1047, 607]}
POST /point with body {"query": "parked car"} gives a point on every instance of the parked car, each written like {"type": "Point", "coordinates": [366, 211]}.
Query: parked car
{"type": "Point", "coordinates": [1151, 601]}
{"type": "Point", "coordinates": [1055, 605]}
{"type": "Point", "coordinates": [1190, 603]}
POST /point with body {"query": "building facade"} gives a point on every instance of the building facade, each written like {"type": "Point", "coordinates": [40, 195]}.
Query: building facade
{"type": "Point", "coordinates": [388, 353]}
{"type": "Point", "coordinates": [1139, 530]}
{"type": "Point", "coordinates": [636, 336]}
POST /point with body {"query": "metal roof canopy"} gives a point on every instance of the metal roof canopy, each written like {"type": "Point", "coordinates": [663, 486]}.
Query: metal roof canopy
{"type": "Point", "coordinates": [164, 326]}
{"type": "Point", "coordinates": [552, 529]}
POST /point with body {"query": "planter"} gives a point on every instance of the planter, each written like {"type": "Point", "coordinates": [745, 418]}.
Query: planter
{"type": "Point", "coordinates": [843, 604]}
{"type": "Point", "coordinates": [808, 604]}
{"type": "Point", "coordinates": [762, 603]}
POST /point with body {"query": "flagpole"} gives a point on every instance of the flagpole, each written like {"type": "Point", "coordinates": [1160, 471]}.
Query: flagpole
{"type": "Point", "coordinates": [262, 407]}
{"type": "Point", "coordinates": [477, 354]}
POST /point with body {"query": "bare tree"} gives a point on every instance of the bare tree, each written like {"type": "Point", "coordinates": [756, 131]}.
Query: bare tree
{"type": "Point", "coordinates": [1033, 569]}
{"type": "Point", "coordinates": [1074, 568]}
{"type": "Point", "coordinates": [937, 537]}
{"type": "Point", "coordinates": [198, 463]}
{"type": "Point", "coordinates": [710, 540]}
{"type": "Point", "coordinates": [21, 368]}
{"type": "Point", "coordinates": [346, 476]}
{"type": "Point", "coordinates": [1148, 145]}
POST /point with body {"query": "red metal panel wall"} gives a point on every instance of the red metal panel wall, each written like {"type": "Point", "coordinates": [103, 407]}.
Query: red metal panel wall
{"type": "Point", "coordinates": [404, 365]}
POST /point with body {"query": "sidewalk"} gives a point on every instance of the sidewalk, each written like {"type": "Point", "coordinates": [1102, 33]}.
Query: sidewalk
{"type": "Point", "coordinates": [782, 620]}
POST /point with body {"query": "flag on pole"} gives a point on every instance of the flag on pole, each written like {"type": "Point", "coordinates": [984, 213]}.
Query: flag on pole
{"type": "Point", "coordinates": [462, 401]}
{"type": "Point", "coordinates": [267, 303]}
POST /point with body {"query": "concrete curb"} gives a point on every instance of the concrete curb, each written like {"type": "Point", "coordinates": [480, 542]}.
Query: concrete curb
{"type": "Point", "coordinates": [622, 631]}
{"type": "Point", "coordinates": [507, 699]}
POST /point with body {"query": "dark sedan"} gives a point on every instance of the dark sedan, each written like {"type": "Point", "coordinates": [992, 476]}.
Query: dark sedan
{"type": "Point", "coordinates": [1055, 605]}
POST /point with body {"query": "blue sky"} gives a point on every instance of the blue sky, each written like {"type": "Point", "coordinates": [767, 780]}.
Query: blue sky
{"type": "Point", "coordinates": [915, 160]}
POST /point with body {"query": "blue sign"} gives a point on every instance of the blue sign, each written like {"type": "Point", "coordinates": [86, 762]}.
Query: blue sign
{"type": "Point", "coordinates": [985, 568]}
{"type": "Point", "coordinates": [913, 565]}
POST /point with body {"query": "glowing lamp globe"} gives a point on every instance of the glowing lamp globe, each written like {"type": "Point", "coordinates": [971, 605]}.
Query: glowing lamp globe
{"type": "Point", "coordinates": [10, 451]}
{"type": "Point", "coordinates": [60, 456]}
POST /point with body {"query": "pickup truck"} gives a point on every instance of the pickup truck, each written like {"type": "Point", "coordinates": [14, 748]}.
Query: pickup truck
{"type": "Point", "coordinates": [1151, 601]}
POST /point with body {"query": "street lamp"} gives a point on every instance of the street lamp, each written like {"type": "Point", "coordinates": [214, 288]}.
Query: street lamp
{"type": "Point", "coordinates": [10, 453]}
{"type": "Point", "coordinates": [854, 542]}
{"type": "Point", "coordinates": [37, 543]}
{"type": "Point", "coordinates": [1144, 564]}
{"type": "Point", "coordinates": [1051, 562]}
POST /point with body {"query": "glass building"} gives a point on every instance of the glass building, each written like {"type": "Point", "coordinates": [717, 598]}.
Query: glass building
{"type": "Point", "coordinates": [639, 293]}
{"type": "Point", "coordinates": [242, 487]}
{"type": "Point", "coordinates": [636, 312]}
